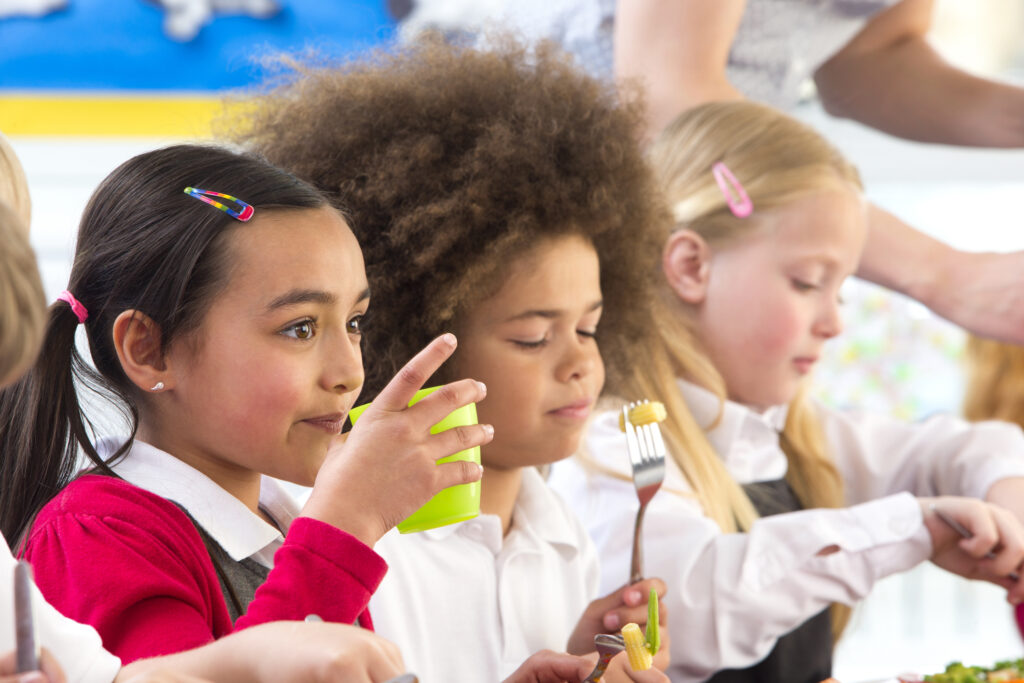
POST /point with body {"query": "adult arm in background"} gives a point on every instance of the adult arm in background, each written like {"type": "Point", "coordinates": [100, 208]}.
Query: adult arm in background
{"type": "Point", "coordinates": [921, 96]}
{"type": "Point", "coordinates": [686, 44]}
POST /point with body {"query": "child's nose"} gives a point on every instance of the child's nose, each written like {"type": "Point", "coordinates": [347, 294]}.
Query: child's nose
{"type": "Point", "coordinates": [830, 321]}
{"type": "Point", "coordinates": [580, 360]}
{"type": "Point", "coordinates": [343, 367]}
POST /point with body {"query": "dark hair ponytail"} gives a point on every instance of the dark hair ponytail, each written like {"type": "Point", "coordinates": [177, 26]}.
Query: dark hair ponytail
{"type": "Point", "coordinates": [143, 244]}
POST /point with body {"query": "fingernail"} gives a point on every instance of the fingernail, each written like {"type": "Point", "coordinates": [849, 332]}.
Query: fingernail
{"type": "Point", "coordinates": [488, 429]}
{"type": "Point", "coordinates": [449, 339]}
{"type": "Point", "coordinates": [611, 621]}
{"type": "Point", "coordinates": [482, 387]}
{"type": "Point", "coordinates": [481, 469]}
{"type": "Point", "coordinates": [633, 597]}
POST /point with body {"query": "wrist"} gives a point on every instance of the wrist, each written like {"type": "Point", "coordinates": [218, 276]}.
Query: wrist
{"type": "Point", "coordinates": [355, 522]}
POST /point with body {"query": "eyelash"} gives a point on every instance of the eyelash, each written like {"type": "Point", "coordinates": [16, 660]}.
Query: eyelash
{"type": "Point", "coordinates": [310, 322]}
{"type": "Point", "coordinates": [354, 327]}
{"type": "Point", "coordinates": [802, 286]}
{"type": "Point", "coordinates": [543, 342]}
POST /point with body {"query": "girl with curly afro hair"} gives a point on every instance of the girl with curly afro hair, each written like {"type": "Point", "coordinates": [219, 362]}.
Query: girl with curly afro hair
{"type": "Point", "coordinates": [500, 195]}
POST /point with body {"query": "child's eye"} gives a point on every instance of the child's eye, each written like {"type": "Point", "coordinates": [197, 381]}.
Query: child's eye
{"type": "Point", "coordinates": [525, 344]}
{"type": "Point", "coordinates": [355, 325]}
{"type": "Point", "coordinates": [304, 329]}
{"type": "Point", "coordinates": [803, 286]}
{"type": "Point", "coordinates": [592, 334]}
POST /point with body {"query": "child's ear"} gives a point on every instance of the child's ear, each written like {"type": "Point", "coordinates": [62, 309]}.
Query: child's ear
{"type": "Point", "coordinates": [138, 341]}
{"type": "Point", "coordinates": [685, 261]}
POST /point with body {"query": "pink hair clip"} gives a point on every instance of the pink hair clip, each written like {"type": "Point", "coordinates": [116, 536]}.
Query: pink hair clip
{"type": "Point", "coordinates": [735, 196]}
{"type": "Point", "coordinates": [243, 213]}
{"type": "Point", "coordinates": [76, 306]}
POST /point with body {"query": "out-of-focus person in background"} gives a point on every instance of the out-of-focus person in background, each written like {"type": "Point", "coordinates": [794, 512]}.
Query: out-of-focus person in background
{"type": "Point", "coordinates": [869, 60]}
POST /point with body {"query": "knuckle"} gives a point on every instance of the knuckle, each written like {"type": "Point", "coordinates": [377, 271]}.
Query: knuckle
{"type": "Point", "coordinates": [410, 374]}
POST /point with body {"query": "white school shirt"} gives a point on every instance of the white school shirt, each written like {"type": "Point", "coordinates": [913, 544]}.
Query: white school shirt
{"type": "Point", "coordinates": [464, 604]}
{"type": "Point", "coordinates": [77, 647]}
{"type": "Point", "coordinates": [237, 529]}
{"type": "Point", "coordinates": [731, 596]}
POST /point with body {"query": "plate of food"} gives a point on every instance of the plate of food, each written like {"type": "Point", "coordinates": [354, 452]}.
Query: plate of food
{"type": "Point", "coordinates": [1008, 671]}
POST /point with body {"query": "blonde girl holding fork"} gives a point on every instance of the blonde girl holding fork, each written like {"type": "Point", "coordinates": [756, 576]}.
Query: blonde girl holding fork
{"type": "Point", "coordinates": [774, 507]}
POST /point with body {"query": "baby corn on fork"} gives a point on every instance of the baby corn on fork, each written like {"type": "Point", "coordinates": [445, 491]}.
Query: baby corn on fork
{"type": "Point", "coordinates": [647, 457]}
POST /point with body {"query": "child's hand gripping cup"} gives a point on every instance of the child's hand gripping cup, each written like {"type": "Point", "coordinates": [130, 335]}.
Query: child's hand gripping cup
{"type": "Point", "coordinates": [455, 503]}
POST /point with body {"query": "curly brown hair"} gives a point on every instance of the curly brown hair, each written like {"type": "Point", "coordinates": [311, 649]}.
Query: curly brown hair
{"type": "Point", "coordinates": [450, 162]}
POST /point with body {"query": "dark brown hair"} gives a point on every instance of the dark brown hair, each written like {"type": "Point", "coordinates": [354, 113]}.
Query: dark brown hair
{"type": "Point", "coordinates": [450, 162]}
{"type": "Point", "coordinates": [143, 244]}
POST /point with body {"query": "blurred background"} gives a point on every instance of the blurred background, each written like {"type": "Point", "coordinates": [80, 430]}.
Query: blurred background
{"type": "Point", "coordinates": [85, 84]}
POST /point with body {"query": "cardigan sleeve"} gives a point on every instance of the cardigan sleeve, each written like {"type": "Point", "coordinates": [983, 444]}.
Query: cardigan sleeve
{"type": "Point", "coordinates": [319, 570]}
{"type": "Point", "coordinates": [131, 565]}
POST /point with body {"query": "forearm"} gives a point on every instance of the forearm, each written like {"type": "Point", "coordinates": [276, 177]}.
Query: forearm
{"type": "Point", "coordinates": [1008, 493]}
{"type": "Point", "coordinates": [907, 89]}
{"type": "Point", "coordinates": [901, 258]}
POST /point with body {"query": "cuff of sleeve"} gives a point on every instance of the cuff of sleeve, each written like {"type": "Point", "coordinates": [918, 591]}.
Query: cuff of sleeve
{"type": "Point", "coordinates": [1003, 442]}
{"type": "Point", "coordinates": [339, 548]}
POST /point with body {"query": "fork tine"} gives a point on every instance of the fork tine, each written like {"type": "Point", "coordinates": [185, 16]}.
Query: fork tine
{"type": "Point", "coordinates": [647, 452]}
{"type": "Point", "coordinates": [632, 444]}
{"type": "Point", "coordinates": [659, 442]}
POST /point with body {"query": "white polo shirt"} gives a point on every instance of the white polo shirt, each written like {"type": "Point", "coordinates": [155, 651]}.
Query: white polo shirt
{"type": "Point", "coordinates": [464, 604]}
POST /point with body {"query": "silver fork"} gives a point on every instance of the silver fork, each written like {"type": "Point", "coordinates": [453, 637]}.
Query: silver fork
{"type": "Point", "coordinates": [647, 456]}
{"type": "Point", "coordinates": [607, 645]}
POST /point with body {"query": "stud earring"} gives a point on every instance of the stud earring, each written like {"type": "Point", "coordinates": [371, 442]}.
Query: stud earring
{"type": "Point", "coordinates": [157, 387]}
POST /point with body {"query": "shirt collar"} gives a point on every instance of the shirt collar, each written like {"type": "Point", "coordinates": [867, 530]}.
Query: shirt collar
{"type": "Point", "coordinates": [532, 515]}
{"type": "Point", "coordinates": [746, 440]}
{"type": "Point", "coordinates": [238, 530]}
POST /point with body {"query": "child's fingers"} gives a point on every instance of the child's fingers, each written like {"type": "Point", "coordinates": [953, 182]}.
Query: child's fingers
{"type": "Point", "coordinates": [457, 472]}
{"type": "Point", "coordinates": [410, 379]}
{"type": "Point", "coordinates": [460, 438]}
{"type": "Point", "coordinates": [433, 408]}
{"type": "Point", "coordinates": [622, 606]}
{"type": "Point", "coordinates": [1009, 552]}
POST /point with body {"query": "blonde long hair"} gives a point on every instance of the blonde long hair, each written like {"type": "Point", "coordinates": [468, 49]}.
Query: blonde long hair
{"type": "Point", "coordinates": [22, 300]}
{"type": "Point", "coordinates": [778, 160]}
{"type": "Point", "coordinates": [994, 388]}
{"type": "Point", "coordinates": [14, 184]}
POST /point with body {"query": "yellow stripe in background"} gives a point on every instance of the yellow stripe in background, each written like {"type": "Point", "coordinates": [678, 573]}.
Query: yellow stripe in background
{"type": "Point", "coordinates": [110, 115]}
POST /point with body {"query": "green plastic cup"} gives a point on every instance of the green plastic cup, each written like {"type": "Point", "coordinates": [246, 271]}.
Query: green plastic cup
{"type": "Point", "coordinates": [455, 503]}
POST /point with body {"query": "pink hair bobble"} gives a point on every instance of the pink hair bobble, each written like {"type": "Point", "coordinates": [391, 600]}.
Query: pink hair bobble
{"type": "Point", "coordinates": [76, 306]}
{"type": "Point", "coordinates": [735, 196]}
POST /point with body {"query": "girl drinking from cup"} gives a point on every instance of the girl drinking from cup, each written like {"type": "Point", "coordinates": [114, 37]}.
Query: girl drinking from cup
{"type": "Point", "coordinates": [752, 529]}
{"type": "Point", "coordinates": [222, 300]}
{"type": "Point", "coordinates": [499, 194]}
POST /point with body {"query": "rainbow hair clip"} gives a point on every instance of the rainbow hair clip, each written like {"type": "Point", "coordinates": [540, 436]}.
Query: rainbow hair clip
{"type": "Point", "coordinates": [735, 196]}
{"type": "Point", "coordinates": [243, 213]}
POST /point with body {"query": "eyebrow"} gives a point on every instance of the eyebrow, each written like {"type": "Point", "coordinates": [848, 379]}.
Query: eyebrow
{"type": "Point", "coordinates": [306, 296]}
{"type": "Point", "coordinates": [549, 314]}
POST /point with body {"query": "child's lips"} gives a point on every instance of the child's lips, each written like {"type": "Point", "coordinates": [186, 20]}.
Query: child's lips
{"type": "Point", "coordinates": [331, 424]}
{"type": "Point", "coordinates": [577, 410]}
{"type": "Point", "coordinates": [805, 363]}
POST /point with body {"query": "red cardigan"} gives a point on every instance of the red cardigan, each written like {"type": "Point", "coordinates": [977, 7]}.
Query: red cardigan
{"type": "Point", "coordinates": [132, 565]}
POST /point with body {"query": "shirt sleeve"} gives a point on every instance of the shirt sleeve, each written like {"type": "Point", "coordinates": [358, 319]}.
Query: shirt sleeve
{"type": "Point", "coordinates": [731, 596]}
{"type": "Point", "coordinates": [943, 455]}
{"type": "Point", "coordinates": [77, 647]}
